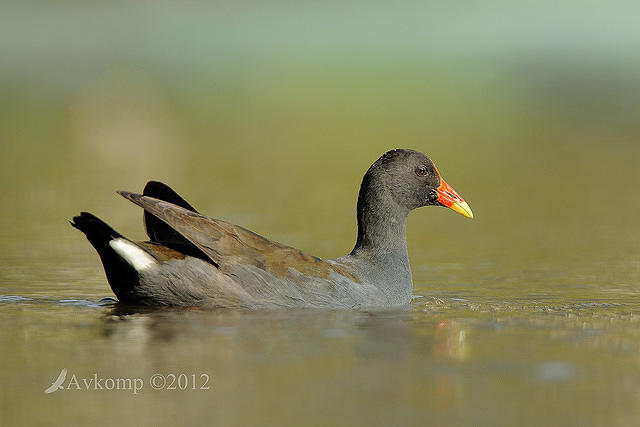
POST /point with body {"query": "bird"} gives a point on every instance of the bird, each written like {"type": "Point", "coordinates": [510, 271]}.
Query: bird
{"type": "Point", "coordinates": [197, 262]}
{"type": "Point", "coordinates": [57, 384]}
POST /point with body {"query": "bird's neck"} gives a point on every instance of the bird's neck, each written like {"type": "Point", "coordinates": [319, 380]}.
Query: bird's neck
{"type": "Point", "coordinates": [380, 254]}
{"type": "Point", "coordinates": [382, 225]}
{"type": "Point", "coordinates": [382, 246]}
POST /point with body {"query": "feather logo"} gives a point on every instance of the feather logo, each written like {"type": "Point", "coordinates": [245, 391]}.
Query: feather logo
{"type": "Point", "coordinates": [57, 384]}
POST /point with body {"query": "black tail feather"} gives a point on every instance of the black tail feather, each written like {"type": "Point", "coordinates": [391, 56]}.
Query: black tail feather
{"type": "Point", "coordinates": [121, 275]}
{"type": "Point", "coordinates": [157, 230]}
{"type": "Point", "coordinates": [162, 191]}
{"type": "Point", "coordinates": [97, 231]}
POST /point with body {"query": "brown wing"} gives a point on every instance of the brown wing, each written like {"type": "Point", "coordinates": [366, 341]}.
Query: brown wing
{"type": "Point", "coordinates": [227, 244]}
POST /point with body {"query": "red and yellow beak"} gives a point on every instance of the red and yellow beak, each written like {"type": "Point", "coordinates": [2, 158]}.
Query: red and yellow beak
{"type": "Point", "coordinates": [450, 198]}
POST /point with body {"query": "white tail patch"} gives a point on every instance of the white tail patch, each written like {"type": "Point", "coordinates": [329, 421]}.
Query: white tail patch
{"type": "Point", "coordinates": [138, 258]}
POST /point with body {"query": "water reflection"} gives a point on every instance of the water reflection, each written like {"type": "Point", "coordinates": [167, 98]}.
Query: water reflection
{"type": "Point", "coordinates": [390, 337]}
{"type": "Point", "coordinates": [441, 361]}
{"type": "Point", "coordinates": [450, 341]}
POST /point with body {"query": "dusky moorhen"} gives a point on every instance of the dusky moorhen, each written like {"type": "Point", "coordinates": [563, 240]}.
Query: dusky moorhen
{"type": "Point", "coordinates": [195, 261]}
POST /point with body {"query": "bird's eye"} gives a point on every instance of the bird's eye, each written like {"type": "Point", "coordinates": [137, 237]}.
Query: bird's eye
{"type": "Point", "coordinates": [422, 171]}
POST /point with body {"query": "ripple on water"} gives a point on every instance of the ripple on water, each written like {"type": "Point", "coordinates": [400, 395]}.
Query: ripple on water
{"type": "Point", "coordinates": [17, 299]}
{"type": "Point", "coordinates": [13, 298]}
{"type": "Point", "coordinates": [526, 305]}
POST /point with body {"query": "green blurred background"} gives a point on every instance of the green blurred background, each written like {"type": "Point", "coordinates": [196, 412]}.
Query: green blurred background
{"type": "Point", "coordinates": [268, 114]}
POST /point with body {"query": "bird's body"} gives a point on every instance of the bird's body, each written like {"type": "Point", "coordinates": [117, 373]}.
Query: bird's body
{"type": "Point", "coordinates": [195, 261]}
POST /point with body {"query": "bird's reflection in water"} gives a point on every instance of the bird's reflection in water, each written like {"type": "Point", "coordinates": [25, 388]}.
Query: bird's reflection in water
{"type": "Point", "coordinates": [389, 356]}
{"type": "Point", "coordinates": [351, 342]}
{"type": "Point", "coordinates": [450, 346]}
{"type": "Point", "coordinates": [163, 323]}
{"type": "Point", "coordinates": [374, 335]}
{"type": "Point", "coordinates": [450, 341]}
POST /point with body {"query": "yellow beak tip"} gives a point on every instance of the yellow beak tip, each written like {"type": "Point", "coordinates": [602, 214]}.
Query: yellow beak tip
{"type": "Point", "coordinates": [463, 209]}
